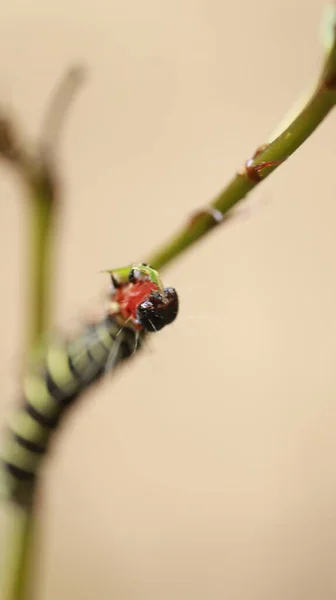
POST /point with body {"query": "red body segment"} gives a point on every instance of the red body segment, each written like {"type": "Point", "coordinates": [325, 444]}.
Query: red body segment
{"type": "Point", "coordinates": [131, 295]}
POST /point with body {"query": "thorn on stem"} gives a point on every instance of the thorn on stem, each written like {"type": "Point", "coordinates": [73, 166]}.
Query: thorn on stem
{"type": "Point", "coordinates": [209, 211]}
{"type": "Point", "coordinates": [254, 171]}
{"type": "Point", "coordinates": [330, 82]}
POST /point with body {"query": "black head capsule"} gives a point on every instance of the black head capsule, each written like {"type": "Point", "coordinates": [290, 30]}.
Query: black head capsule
{"type": "Point", "coordinates": [155, 312]}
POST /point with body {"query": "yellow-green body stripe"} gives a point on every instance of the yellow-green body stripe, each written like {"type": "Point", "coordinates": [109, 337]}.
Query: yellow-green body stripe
{"type": "Point", "coordinates": [23, 425]}
{"type": "Point", "coordinates": [56, 377]}
{"type": "Point", "coordinates": [57, 364]}
{"type": "Point", "coordinates": [20, 457]}
{"type": "Point", "coordinates": [37, 395]}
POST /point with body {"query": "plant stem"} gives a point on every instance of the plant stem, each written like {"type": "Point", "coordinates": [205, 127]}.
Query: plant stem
{"type": "Point", "coordinates": [41, 218]}
{"type": "Point", "coordinates": [36, 171]}
{"type": "Point", "coordinates": [17, 571]}
{"type": "Point", "coordinates": [38, 179]}
{"type": "Point", "coordinates": [262, 164]}
{"type": "Point", "coordinates": [23, 538]}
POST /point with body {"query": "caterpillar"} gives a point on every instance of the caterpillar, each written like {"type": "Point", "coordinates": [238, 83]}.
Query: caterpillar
{"type": "Point", "coordinates": [63, 368]}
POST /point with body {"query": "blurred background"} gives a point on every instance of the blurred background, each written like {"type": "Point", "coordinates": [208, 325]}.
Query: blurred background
{"type": "Point", "coordinates": [206, 468]}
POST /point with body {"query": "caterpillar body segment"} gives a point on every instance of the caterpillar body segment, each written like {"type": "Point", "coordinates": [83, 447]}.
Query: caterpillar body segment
{"type": "Point", "coordinates": [49, 388]}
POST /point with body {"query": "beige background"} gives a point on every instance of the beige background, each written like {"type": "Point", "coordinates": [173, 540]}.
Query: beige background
{"type": "Point", "coordinates": [207, 468]}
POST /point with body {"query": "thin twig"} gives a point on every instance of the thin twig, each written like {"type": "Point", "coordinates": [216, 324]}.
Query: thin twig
{"type": "Point", "coordinates": [264, 161]}
{"type": "Point", "coordinates": [36, 168]}
{"type": "Point", "coordinates": [56, 113]}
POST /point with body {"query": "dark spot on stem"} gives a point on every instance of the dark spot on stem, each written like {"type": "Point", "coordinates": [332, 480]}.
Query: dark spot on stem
{"type": "Point", "coordinates": [330, 82]}
{"type": "Point", "coordinates": [215, 214]}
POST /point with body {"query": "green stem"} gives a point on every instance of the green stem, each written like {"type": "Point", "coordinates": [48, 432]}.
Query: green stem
{"type": "Point", "coordinates": [41, 216]}
{"type": "Point", "coordinates": [19, 552]}
{"type": "Point", "coordinates": [36, 171]}
{"type": "Point", "coordinates": [257, 169]}
{"type": "Point", "coordinates": [41, 207]}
